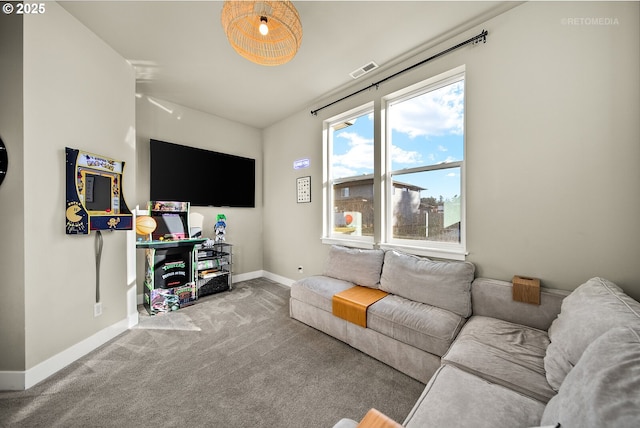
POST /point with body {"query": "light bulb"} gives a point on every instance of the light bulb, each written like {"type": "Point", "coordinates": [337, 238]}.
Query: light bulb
{"type": "Point", "coordinates": [264, 30]}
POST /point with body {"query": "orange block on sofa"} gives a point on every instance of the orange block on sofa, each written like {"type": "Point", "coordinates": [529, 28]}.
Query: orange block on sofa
{"type": "Point", "coordinates": [352, 304]}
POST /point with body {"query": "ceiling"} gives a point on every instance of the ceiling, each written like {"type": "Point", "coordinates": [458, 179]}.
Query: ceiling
{"type": "Point", "coordinates": [182, 55]}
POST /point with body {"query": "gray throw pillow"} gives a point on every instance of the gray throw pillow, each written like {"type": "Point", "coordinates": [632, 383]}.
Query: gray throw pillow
{"type": "Point", "coordinates": [603, 389]}
{"type": "Point", "coordinates": [590, 310]}
{"type": "Point", "coordinates": [358, 266]}
{"type": "Point", "coordinates": [446, 285]}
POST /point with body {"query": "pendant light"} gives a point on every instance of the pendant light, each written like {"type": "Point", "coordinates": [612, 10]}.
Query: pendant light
{"type": "Point", "coordinates": [264, 32]}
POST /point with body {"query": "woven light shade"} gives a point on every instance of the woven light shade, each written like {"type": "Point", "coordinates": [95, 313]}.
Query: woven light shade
{"type": "Point", "coordinates": [241, 21]}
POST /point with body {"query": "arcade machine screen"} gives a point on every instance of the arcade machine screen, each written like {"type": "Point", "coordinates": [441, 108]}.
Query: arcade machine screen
{"type": "Point", "coordinates": [170, 226]}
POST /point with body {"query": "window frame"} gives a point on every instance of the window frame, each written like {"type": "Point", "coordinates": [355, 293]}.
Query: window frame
{"type": "Point", "coordinates": [383, 175]}
{"type": "Point", "coordinates": [328, 237]}
{"type": "Point", "coordinates": [449, 250]}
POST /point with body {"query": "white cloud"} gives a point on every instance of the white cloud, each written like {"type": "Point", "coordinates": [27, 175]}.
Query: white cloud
{"type": "Point", "coordinates": [405, 156]}
{"type": "Point", "coordinates": [357, 160]}
{"type": "Point", "coordinates": [339, 171]}
{"type": "Point", "coordinates": [436, 113]}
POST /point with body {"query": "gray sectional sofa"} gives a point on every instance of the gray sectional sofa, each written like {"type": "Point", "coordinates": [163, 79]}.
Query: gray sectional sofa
{"type": "Point", "coordinates": [486, 360]}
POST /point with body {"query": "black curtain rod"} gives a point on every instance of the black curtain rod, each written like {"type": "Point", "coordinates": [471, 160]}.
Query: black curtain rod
{"type": "Point", "coordinates": [476, 39]}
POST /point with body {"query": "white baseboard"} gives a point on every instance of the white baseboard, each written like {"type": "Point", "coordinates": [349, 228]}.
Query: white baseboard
{"type": "Point", "coordinates": [247, 276]}
{"type": "Point", "coordinates": [277, 278]}
{"type": "Point", "coordinates": [21, 380]}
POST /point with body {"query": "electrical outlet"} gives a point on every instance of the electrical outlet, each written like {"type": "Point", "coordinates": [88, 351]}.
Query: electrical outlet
{"type": "Point", "coordinates": [300, 270]}
{"type": "Point", "coordinates": [97, 309]}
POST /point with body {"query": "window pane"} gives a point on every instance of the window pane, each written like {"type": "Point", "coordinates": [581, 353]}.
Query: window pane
{"type": "Point", "coordinates": [428, 129]}
{"type": "Point", "coordinates": [352, 176]}
{"type": "Point", "coordinates": [426, 205]}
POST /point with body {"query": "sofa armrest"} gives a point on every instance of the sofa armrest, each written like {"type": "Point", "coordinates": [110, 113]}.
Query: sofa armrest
{"type": "Point", "coordinates": [346, 423]}
{"type": "Point", "coordinates": [494, 298]}
{"type": "Point", "coordinates": [373, 419]}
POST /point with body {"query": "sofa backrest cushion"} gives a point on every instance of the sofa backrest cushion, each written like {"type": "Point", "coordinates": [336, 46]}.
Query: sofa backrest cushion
{"type": "Point", "coordinates": [494, 298]}
{"type": "Point", "coordinates": [446, 285]}
{"type": "Point", "coordinates": [589, 311]}
{"type": "Point", "coordinates": [359, 266]}
{"type": "Point", "coordinates": [603, 389]}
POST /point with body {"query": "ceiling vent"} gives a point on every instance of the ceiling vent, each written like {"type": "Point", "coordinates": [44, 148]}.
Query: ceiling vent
{"type": "Point", "coordinates": [363, 70]}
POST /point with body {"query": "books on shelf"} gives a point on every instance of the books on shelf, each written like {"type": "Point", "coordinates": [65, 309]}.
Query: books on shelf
{"type": "Point", "coordinates": [211, 273]}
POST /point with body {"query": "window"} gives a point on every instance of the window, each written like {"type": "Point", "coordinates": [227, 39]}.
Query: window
{"type": "Point", "coordinates": [405, 188]}
{"type": "Point", "coordinates": [350, 163]}
{"type": "Point", "coordinates": [425, 149]}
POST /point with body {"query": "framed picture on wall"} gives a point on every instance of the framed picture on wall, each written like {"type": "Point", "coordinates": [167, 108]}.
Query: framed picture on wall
{"type": "Point", "coordinates": [303, 185]}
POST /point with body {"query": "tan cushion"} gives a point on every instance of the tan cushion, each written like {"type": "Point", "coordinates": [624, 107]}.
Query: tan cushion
{"type": "Point", "coordinates": [504, 353]}
{"type": "Point", "coordinates": [446, 285]}
{"type": "Point", "coordinates": [603, 389]}
{"type": "Point", "coordinates": [358, 266]}
{"type": "Point", "coordinates": [590, 310]}
{"type": "Point", "coordinates": [423, 326]}
{"type": "Point", "coordinates": [318, 290]}
{"type": "Point", "coordinates": [456, 398]}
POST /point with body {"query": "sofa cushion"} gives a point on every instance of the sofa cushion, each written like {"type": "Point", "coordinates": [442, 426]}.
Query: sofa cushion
{"type": "Point", "coordinates": [603, 389]}
{"type": "Point", "coordinates": [425, 327]}
{"type": "Point", "coordinates": [456, 398]}
{"type": "Point", "coordinates": [318, 290]}
{"type": "Point", "coordinates": [446, 285]}
{"type": "Point", "coordinates": [346, 423]}
{"type": "Point", "coordinates": [494, 298]}
{"type": "Point", "coordinates": [590, 310]}
{"type": "Point", "coordinates": [361, 267]}
{"type": "Point", "coordinates": [504, 353]}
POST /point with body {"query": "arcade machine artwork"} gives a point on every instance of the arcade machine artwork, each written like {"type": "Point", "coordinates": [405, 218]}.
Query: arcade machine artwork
{"type": "Point", "coordinates": [94, 194]}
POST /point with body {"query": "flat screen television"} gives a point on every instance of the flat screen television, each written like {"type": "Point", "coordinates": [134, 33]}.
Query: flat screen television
{"type": "Point", "coordinates": [201, 177]}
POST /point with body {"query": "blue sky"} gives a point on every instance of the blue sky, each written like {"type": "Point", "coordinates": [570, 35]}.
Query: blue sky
{"type": "Point", "coordinates": [426, 130]}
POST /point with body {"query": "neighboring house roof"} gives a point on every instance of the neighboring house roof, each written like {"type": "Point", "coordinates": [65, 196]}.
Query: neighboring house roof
{"type": "Point", "coordinates": [368, 179]}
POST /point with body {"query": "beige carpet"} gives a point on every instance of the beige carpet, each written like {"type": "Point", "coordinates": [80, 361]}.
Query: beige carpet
{"type": "Point", "coordinates": [234, 359]}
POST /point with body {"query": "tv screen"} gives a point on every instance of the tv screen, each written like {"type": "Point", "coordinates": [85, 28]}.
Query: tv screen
{"type": "Point", "coordinates": [201, 177]}
{"type": "Point", "coordinates": [97, 192]}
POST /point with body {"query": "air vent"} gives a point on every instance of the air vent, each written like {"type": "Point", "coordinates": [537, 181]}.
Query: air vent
{"type": "Point", "coordinates": [363, 70]}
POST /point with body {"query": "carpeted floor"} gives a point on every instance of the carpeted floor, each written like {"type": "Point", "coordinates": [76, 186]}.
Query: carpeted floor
{"type": "Point", "coordinates": [234, 359]}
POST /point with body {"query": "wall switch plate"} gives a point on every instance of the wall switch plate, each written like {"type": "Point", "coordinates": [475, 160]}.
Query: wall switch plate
{"type": "Point", "coordinates": [97, 309]}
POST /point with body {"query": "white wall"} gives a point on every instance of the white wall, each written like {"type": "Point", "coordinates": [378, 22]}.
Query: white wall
{"type": "Point", "coordinates": [552, 140]}
{"type": "Point", "coordinates": [79, 93]}
{"type": "Point", "coordinates": [181, 125]}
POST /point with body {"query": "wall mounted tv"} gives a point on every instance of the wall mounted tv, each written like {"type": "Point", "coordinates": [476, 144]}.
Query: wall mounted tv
{"type": "Point", "coordinates": [201, 177]}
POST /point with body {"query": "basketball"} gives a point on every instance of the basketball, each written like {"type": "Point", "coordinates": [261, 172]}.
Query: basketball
{"type": "Point", "coordinates": [145, 225]}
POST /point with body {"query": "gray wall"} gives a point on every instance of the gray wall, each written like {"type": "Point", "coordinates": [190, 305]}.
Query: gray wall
{"type": "Point", "coordinates": [78, 95]}
{"type": "Point", "coordinates": [552, 149]}
{"type": "Point", "coordinates": [77, 92]}
{"type": "Point", "coordinates": [193, 128]}
{"type": "Point", "coordinates": [12, 351]}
